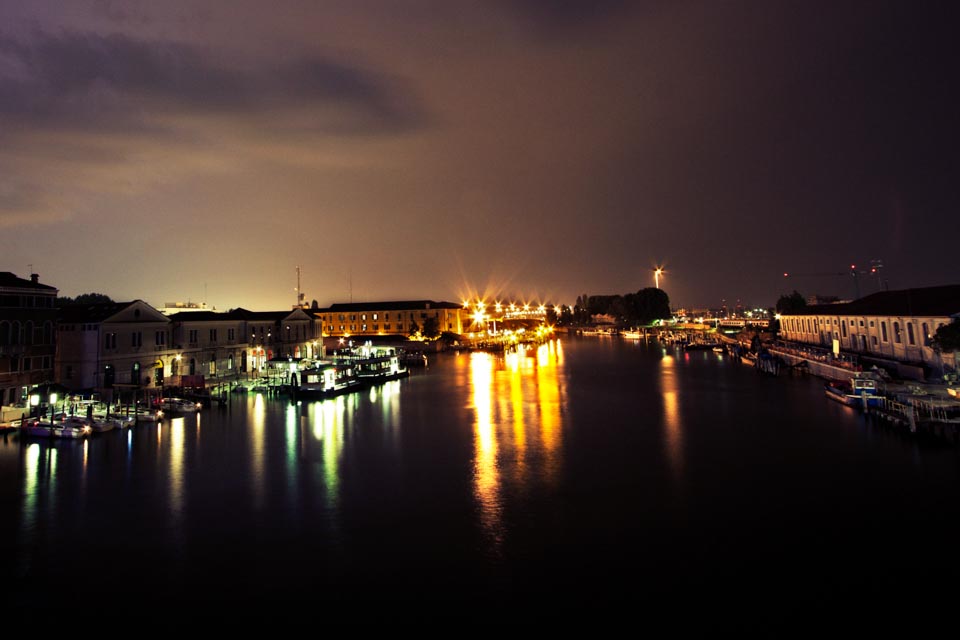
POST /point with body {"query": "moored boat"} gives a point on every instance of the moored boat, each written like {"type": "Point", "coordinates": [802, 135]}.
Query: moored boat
{"type": "Point", "coordinates": [179, 405]}
{"type": "Point", "coordinates": [862, 390]}
{"type": "Point", "coordinates": [70, 429]}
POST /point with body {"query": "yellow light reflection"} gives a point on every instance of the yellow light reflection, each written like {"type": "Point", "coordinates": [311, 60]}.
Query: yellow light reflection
{"type": "Point", "coordinates": [486, 476]}
{"type": "Point", "coordinates": [258, 458]}
{"type": "Point", "coordinates": [176, 467]}
{"type": "Point", "coordinates": [673, 426]}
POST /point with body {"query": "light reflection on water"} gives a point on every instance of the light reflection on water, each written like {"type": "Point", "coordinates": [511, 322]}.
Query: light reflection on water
{"type": "Point", "coordinates": [258, 451]}
{"type": "Point", "coordinates": [516, 400]}
{"type": "Point", "coordinates": [672, 426]}
{"type": "Point", "coordinates": [176, 472]}
{"type": "Point", "coordinates": [517, 469]}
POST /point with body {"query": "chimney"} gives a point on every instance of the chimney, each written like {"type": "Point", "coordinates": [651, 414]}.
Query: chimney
{"type": "Point", "coordinates": [34, 278]}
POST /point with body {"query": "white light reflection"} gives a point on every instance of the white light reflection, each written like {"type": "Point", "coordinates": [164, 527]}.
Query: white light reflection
{"type": "Point", "coordinates": [292, 421]}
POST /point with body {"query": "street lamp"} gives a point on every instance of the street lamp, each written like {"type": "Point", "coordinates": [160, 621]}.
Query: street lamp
{"type": "Point", "coordinates": [656, 276]}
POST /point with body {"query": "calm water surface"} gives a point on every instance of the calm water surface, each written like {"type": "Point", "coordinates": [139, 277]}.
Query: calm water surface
{"type": "Point", "coordinates": [588, 470]}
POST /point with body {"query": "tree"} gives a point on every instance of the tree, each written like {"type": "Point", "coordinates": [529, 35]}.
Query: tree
{"type": "Point", "coordinates": [431, 328]}
{"type": "Point", "coordinates": [83, 298]}
{"type": "Point", "coordinates": [647, 305]}
{"type": "Point", "coordinates": [791, 303]}
{"type": "Point", "coordinates": [414, 328]}
{"type": "Point", "coordinates": [947, 337]}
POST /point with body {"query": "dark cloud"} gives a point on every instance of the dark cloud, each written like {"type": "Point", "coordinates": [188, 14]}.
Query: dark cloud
{"type": "Point", "coordinates": [117, 81]}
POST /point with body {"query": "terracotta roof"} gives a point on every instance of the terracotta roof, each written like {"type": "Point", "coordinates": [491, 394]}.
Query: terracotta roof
{"type": "Point", "coordinates": [928, 301]}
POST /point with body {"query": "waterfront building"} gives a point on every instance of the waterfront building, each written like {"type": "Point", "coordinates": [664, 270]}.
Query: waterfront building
{"type": "Point", "coordinates": [113, 345]}
{"type": "Point", "coordinates": [396, 318]}
{"type": "Point", "coordinates": [228, 345]}
{"type": "Point", "coordinates": [889, 327]}
{"type": "Point", "coordinates": [27, 339]}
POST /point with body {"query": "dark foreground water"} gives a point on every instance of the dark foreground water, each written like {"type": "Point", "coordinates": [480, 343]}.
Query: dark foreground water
{"type": "Point", "coordinates": [589, 473]}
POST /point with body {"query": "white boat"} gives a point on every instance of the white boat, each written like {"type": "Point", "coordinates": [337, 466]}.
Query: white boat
{"type": "Point", "coordinates": [45, 429]}
{"type": "Point", "coordinates": [632, 335]}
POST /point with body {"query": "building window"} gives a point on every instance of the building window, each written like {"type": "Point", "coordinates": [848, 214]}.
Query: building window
{"type": "Point", "coordinates": [231, 334]}
{"type": "Point", "coordinates": [341, 327]}
{"type": "Point", "coordinates": [136, 339]}
{"type": "Point", "coordinates": [926, 335]}
{"type": "Point", "coordinates": [874, 338]}
{"type": "Point", "coordinates": [364, 327]}
{"type": "Point", "coordinates": [386, 316]}
{"type": "Point", "coordinates": [160, 338]}
{"type": "Point", "coordinates": [353, 327]}
{"type": "Point", "coordinates": [386, 326]}
{"type": "Point", "coordinates": [374, 316]}
{"type": "Point", "coordinates": [213, 335]}
{"type": "Point", "coordinates": [910, 336]}
{"type": "Point", "coordinates": [896, 333]}
{"type": "Point", "coordinates": [363, 316]}
{"type": "Point", "coordinates": [110, 340]}
{"type": "Point", "coordinates": [192, 336]}
{"type": "Point", "coordinates": [843, 328]}
{"type": "Point", "coordinates": [883, 331]}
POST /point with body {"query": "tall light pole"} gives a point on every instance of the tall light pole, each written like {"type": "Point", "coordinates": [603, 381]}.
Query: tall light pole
{"type": "Point", "coordinates": [656, 276]}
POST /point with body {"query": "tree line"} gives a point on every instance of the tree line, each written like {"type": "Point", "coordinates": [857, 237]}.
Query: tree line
{"type": "Point", "coordinates": [627, 310]}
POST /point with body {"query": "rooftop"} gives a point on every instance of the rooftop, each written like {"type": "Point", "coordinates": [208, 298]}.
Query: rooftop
{"type": "Point", "coordinates": [927, 301]}
{"type": "Point", "coordinates": [396, 305]}
{"type": "Point", "coordinates": [10, 280]}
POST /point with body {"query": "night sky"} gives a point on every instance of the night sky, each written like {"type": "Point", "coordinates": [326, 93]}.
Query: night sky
{"type": "Point", "coordinates": [185, 150]}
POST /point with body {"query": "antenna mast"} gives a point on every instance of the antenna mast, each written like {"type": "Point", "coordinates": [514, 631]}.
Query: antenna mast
{"type": "Point", "coordinates": [299, 293]}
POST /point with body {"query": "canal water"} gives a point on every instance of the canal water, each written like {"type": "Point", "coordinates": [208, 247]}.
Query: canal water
{"type": "Point", "coordinates": [588, 472]}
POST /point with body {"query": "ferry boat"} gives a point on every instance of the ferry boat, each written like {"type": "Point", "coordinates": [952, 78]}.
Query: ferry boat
{"type": "Point", "coordinates": [862, 390]}
{"type": "Point", "coordinates": [379, 364]}
{"type": "Point", "coordinates": [325, 378]}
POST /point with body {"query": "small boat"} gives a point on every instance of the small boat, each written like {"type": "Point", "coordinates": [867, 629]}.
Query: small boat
{"type": "Point", "coordinates": [71, 430]}
{"type": "Point", "coordinates": [698, 346]}
{"type": "Point", "coordinates": [631, 335]}
{"type": "Point", "coordinates": [862, 390]}
{"type": "Point", "coordinates": [180, 405]}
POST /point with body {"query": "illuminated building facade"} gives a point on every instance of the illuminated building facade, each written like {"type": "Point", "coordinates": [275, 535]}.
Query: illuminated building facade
{"type": "Point", "coordinates": [890, 325]}
{"type": "Point", "coordinates": [397, 318]}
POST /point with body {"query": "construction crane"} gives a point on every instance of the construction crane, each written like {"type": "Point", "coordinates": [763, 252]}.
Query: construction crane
{"type": "Point", "coordinates": [876, 266]}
